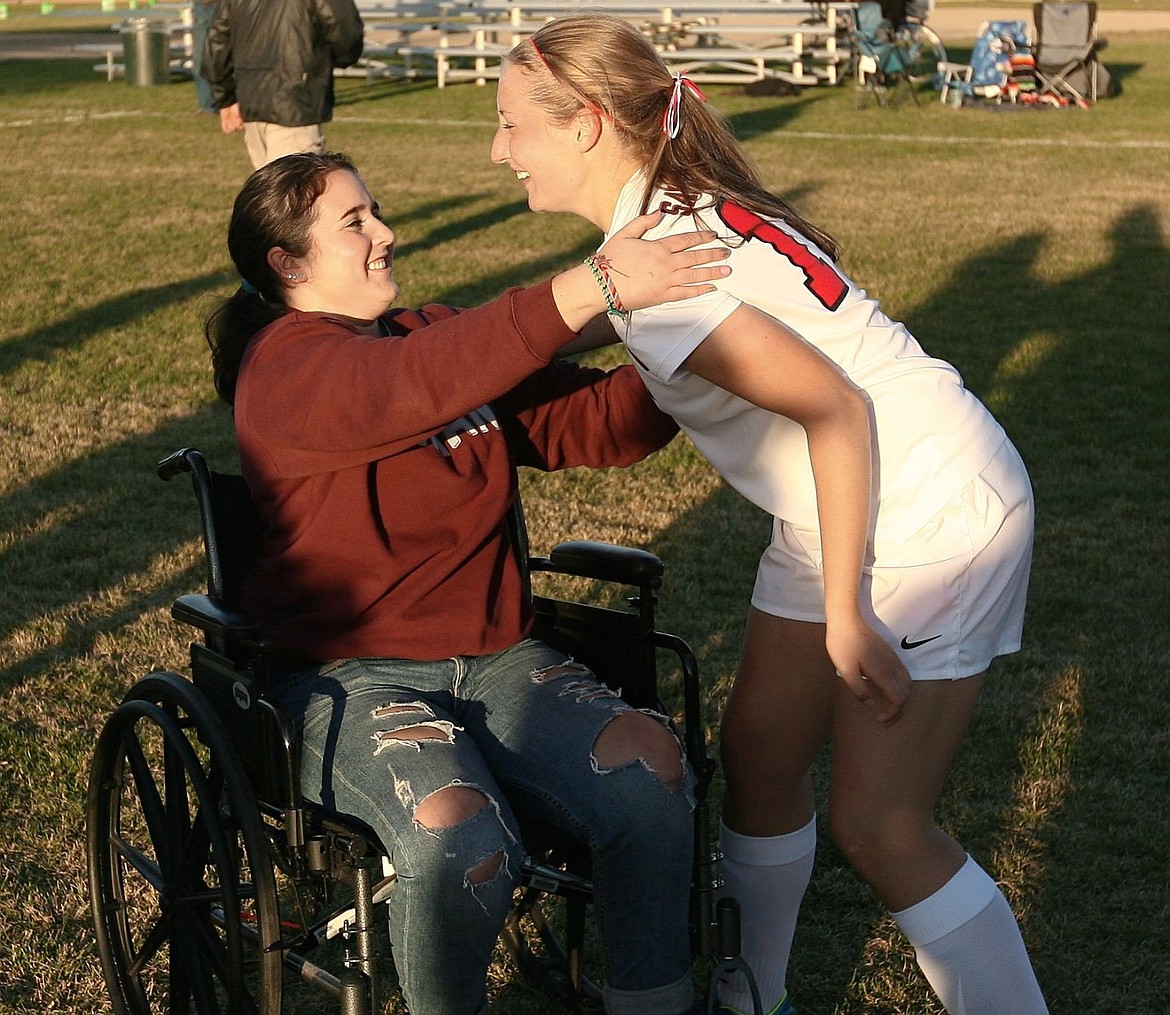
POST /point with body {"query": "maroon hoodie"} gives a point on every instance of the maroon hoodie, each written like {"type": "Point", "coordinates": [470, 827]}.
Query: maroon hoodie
{"type": "Point", "coordinates": [385, 469]}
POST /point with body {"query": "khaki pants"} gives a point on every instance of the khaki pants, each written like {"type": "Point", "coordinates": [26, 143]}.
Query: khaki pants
{"type": "Point", "coordinates": [269, 141]}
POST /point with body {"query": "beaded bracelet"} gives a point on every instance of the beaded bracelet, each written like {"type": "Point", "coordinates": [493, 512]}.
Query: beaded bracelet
{"type": "Point", "coordinates": [605, 283]}
{"type": "Point", "coordinates": [599, 265]}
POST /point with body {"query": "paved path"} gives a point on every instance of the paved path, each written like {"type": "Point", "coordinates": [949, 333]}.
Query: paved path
{"type": "Point", "coordinates": [957, 24]}
{"type": "Point", "coordinates": [51, 45]}
{"type": "Point", "coordinates": [960, 23]}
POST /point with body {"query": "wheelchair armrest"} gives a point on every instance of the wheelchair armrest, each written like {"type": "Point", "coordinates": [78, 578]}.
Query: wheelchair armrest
{"type": "Point", "coordinates": [200, 611]}
{"type": "Point", "coordinates": [587, 558]}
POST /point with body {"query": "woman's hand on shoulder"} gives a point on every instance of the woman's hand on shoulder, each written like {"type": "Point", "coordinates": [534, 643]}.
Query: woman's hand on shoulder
{"type": "Point", "coordinates": [648, 272]}
{"type": "Point", "coordinates": [630, 273]}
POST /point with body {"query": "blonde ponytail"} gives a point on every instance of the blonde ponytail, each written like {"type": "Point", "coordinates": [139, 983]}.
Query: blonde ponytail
{"type": "Point", "coordinates": [604, 63]}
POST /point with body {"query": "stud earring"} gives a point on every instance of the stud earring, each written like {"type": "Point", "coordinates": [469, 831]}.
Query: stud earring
{"type": "Point", "coordinates": [292, 276]}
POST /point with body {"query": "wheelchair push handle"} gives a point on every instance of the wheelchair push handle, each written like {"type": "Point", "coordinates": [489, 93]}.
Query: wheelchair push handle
{"type": "Point", "coordinates": [176, 463]}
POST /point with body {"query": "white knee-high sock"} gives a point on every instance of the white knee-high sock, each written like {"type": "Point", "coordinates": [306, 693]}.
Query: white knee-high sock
{"type": "Point", "coordinates": [969, 948]}
{"type": "Point", "coordinates": [768, 877]}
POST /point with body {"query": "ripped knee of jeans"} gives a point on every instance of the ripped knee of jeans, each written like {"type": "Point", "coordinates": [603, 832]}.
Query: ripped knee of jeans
{"type": "Point", "coordinates": [640, 736]}
{"type": "Point", "coordinates": [450, 806]}
{"type": "Point", "coordinates": [458, 805]}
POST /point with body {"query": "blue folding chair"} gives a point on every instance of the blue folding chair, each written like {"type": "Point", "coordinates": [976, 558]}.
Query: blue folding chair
{"type": "Point", "coordinates": [879, 60]}
{"type": "Point", "coordinates": [1000, 50]}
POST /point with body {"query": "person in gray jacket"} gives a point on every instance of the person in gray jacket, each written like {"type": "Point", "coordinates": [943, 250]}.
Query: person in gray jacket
{"type": "Point", "coordinates": [270, 65]}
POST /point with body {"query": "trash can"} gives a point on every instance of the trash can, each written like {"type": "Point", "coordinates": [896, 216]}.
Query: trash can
{"type": "Point", "coordinates": [146, 51]}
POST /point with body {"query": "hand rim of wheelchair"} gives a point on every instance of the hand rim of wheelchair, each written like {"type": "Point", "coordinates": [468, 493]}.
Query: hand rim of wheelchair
{"type": "Point", "coordinates": [143, 879]}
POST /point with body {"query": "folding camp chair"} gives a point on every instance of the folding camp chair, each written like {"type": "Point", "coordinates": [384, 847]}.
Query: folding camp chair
{"type": "Point", "coordinates": [1001, 55]}
{"type": "Point", "coordinates": [1066, 50]}
{"type": "Point", "coordinates": [879, 60]}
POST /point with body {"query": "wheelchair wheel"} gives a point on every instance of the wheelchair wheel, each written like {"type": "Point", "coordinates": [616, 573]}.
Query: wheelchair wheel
{"type": "Point", "coordinates": [181, 880]}
{"type": "Point", "coordinates": [922, 52]}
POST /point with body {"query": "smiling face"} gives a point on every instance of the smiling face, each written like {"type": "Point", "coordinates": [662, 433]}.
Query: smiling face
{"type": "Point", "coordinates": [545, 156]}
{"type": "Point", "coordinates": [348, 270]}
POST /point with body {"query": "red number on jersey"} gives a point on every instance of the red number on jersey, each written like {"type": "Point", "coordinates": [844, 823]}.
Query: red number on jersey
{"type": "Point", "coordinates": [676, 204]}
{"type": "Point", "coordinates": [820, 277]}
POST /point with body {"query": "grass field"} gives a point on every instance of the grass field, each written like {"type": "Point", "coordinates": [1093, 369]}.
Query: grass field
{"type": "Point", "coordinates": [1029, 248]}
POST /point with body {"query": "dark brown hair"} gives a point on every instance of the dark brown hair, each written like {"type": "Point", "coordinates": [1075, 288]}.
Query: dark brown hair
{"type": "Point", "coordinates": [276, 208]}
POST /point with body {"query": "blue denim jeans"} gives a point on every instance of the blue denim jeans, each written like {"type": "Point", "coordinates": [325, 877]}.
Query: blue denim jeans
{"type": "Point", "coordinates": [383, 735]}
{"type": "Point", "coordinates": [204, 13]}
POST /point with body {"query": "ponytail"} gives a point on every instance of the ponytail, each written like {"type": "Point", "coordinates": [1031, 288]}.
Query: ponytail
{"type": "Point", "coordinates": [228, 331]}
{"type": "Point", "coordinates": [603, 62]}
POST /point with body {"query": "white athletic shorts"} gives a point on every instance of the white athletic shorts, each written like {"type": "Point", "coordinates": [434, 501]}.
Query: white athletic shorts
{"type": "Point", "coordinates": [951, 598]}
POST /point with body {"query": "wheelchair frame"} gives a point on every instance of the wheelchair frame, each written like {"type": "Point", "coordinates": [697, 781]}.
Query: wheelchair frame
{"type": "Point", "coordinates": [210, 876]}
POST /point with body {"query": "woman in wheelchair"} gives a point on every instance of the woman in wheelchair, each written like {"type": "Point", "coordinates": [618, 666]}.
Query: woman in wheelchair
{"type": "Point", "coordinates": [380, 447]}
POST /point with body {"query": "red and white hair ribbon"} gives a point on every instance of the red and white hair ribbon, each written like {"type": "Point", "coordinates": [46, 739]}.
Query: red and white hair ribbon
{"type": "Point", "coordinates": [672, 118]}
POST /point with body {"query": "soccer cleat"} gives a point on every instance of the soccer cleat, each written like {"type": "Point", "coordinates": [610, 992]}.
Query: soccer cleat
{"type": "Point", "coordinates": [783, 1007]}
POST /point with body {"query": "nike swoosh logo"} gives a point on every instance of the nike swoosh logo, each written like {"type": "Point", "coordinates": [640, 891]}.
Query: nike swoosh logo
{"type": "Point", "coordinates": [906, 643]}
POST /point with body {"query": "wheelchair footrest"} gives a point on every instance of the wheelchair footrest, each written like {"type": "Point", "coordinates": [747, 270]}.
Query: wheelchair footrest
{"type": "Point", "coordinates": [554, 881]}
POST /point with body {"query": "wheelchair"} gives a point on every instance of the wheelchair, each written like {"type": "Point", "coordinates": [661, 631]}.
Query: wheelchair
{"type": "Point", "coordinates": [211, 879]}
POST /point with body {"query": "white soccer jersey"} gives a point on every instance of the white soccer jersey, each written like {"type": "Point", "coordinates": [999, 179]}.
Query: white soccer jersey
{"type": "Point", "coordinates": [932, 435]}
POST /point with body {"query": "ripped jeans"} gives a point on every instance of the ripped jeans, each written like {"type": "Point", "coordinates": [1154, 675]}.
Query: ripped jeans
{"type": "Point", "coordinates": [518, 728]}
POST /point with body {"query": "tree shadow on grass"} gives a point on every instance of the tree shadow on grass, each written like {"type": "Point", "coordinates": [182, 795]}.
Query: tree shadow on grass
{"type": "Point", "coordinates": [768, 117]}
{"type": "Point", "coordinates": [71, 333]}
{"type": "Point", "coordinates": [488, 286]}
{"type": "Point", "coordinates": [457, 230]}
{"type": "Point", "coordinates": [397, 218]}
{"type": "Point", "coordinates": [377, 91]}
{"type": "Point", "coordinates": [69, 569]}
{"type": "Point", "coordinates": [64, 569]}
{"type": "Point", "coordinates": [39, 77]}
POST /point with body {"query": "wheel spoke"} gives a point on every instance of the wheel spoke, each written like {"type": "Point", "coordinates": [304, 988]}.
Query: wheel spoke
{"type": "Point", "coordinates": [177, 786]}
{"type": "Point", "coordinates": [179, 979]}
{"type": "Point", "coordinates": [139, 862]}
{"type": "Point", "coordinates": [148, 950]}
{"type": "Point", "coordinates": [154, 811]}
{"type": "Point", "coordinates": [205, 964]}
